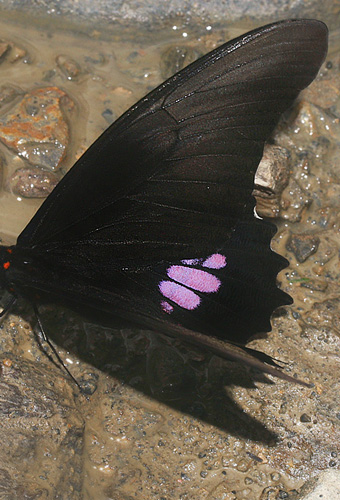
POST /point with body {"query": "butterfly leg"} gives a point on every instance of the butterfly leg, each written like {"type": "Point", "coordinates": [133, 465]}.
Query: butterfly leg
{"type": "Point", "coordinates": [8, 306]}
{"type": "Point", "coordinates": [51, 346]}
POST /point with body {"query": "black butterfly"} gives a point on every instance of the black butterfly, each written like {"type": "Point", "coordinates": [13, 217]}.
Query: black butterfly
{"type": "Point", "coordinates": [155, 223]}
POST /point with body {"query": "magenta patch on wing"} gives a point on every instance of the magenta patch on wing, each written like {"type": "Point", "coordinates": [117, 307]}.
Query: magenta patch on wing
{"type": "Point", "coordinates": [215, 261]}
{"type": "Point", "coordinates": [166, 307]}
{"type": "Point", "coordinates": [179, 294]}
{"type": "Point", "coordinates": [194, 278]}
{"type": "Point", "coordinates": [191, 262]}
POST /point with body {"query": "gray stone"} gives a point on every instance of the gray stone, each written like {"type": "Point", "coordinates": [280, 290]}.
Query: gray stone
{"type": "Point", "coordinates": [42, 433]}
{"type": "Point", "coordinates": [271, 178]}
{"type": "Point", "coordinates": [327, 486]}
{"type": "Point", "coordinates": [153, 13]}
{"type": "Point", "coordinates": [303, 245]}
{"type": "Point", "coordinates": [32, 182]}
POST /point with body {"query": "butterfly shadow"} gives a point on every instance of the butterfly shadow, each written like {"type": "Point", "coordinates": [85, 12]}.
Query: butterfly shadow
{"type": "Point", "coordinates": [183, 377]}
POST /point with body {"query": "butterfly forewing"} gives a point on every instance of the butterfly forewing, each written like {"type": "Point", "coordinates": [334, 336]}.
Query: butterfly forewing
{"type": "Point", "coordinates": [185, 155]}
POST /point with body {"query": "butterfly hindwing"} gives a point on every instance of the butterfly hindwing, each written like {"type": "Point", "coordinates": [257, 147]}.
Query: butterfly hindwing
{"type": "Point", "coordinates": [230, 293]}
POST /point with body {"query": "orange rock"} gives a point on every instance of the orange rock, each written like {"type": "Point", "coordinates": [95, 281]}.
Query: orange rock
{"type": "Point", "coordinates": [36, 129]}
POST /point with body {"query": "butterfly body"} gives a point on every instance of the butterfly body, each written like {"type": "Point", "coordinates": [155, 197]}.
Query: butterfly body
{"type": "Point", "coordinates": [155, 222]}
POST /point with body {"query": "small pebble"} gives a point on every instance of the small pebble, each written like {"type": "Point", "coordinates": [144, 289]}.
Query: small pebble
{"type": "Point", "coordinates": [305, 418]}
{"type": "Point", "coordinates": [4, 48]}
{"type": "Point", "coordinates": [303, 246]}
{"type": "Point", "coordinates": [32, 182]}
{"type": "Point", "coordinates": [69, 67]}
{"type": "Point", "coordinates": [108, 115]}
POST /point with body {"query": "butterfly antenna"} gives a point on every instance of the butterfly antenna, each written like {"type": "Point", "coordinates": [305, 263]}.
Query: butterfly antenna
{"type": "Point", "coordinates": [53, 349]}
{"type": "Point", "coordinates": [8, 306]}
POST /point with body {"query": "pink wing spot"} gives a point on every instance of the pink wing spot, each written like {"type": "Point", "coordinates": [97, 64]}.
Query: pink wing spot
{"type": "Point", "coordinates": [194, 278]}
{"type": "Point", "coordinates": [166, 307]}
{"type": "Point", "coordinates": [191, 262]}
{"type": "Point", "coordinates": [215, 261]}
{"type": "Point", "coordinates": [179, 294]}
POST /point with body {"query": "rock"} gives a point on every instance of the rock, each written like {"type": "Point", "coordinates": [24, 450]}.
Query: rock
{"type": "Point", "coordinates": [49, 75]}
{"type": "Point", "coordinates": [32, 182]}
{"type": "Point", "coordinates": [139, 66]}
{"type": "Point", "coordinates": [326, 486]}
{"type": "Point", "coordinates": [271, 177]}
{"type": "Point", "coordinates": [108, 115]}
{"type": "Point", "coordinates": [316, 285]}
{"type": "Point", "coordinates": [42, 433]}
{"type": "Point", "coordinates": [275, 493]}
{"type": "Point", "coordinates": [175, 58]}
{"type": "Point", "coordinates": [36, 129]}
{"type": "Point", "coordinates": [152, 15]}
{"type": "Point", "coordinates": [69, 67]}
{"type": "Point", "coordinates": [293, 202]}
{"type": "Point", "coordinates": [309, 125]}
{"type": "Point", "coordinates": [10, 52]}
{"type": "Point", "coordinates": [88, 383]}
{"type": "Point", "coordinates": [4, 48]}
{"type": "Point", "coordinates": [302, 245]}
{"type": "Point", "coordinates": [325, 91]}
{"type": "Point", "coordinates": [16, 54]}
{"type": "Point", "coordinates": [325, 313]}
{"type": "Point", "coordinates": [8, 93]}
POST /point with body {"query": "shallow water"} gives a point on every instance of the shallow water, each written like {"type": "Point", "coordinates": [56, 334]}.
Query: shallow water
{"type": "Point", "coordinates": [164, 420]}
